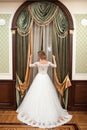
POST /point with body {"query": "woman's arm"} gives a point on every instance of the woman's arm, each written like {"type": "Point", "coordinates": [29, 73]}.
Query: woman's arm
{"type": "Point", "coordinates": [54, 61]}
{"type": "Point", "coordinates": [32, 64]}
{"type": "Point", "coordinates": [30, 59]}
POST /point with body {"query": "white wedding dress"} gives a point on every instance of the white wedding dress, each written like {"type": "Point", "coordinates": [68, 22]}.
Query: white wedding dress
{"type": "Point", "coordinates": [41, 106]}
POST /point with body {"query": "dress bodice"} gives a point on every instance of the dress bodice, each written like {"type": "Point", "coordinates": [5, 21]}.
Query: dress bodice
{"type": "Point", "coordinates": [42, 68]}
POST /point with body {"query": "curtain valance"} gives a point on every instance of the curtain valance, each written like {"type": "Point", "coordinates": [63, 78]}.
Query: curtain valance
{"type": "Point", "coordinates": [42, 18]}
{"type": "Point", "coordinates": [61, 24]}
{"type": "Point", "coordinates": [43, 12]}
{"type": "Point", "coordinates": [24, 22]}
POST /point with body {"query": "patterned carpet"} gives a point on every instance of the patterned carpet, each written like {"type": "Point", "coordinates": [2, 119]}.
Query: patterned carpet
{"type": "Point", "coordinates": [20, 126]}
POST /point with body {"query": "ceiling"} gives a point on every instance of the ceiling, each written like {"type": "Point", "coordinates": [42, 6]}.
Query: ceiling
{"type": "Point", "coordinates": [27, 0]}
{"type": "Point", "coordinates": [12, 0]}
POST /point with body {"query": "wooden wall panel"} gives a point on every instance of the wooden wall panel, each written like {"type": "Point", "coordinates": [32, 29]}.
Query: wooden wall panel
{"type": "Point", "coordinates": [81, 94]}
{"type": "Point", "coordinates": [78, 96]}
{"type": "Point", "coordinates": [7, 95]}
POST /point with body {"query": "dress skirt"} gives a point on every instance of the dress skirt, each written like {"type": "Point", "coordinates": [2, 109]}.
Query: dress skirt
{"type": "Point", "coordinates": [41, 106]}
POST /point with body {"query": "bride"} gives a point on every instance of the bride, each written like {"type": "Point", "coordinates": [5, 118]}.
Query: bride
{"type": "Point", "coordinates": [41, 106]}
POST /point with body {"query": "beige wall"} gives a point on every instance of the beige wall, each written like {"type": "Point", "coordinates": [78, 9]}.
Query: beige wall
{"type": "Point", "coordinates": [75, 7]}
{"type": "Point", "coordinates": [7, 10]}
{"type": "Point", "coordinates": [78, 10]}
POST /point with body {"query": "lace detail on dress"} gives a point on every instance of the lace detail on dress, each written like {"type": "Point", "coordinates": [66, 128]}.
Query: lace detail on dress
{"type": "Point", "coordinates": [40, 124]}
{"type": "Point", "coordinates": [42, 68]}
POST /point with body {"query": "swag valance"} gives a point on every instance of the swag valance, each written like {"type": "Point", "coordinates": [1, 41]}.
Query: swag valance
{"type": "Point", "coordinates": [42, 13]}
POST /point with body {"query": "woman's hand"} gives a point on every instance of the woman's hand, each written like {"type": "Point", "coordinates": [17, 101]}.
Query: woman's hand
{"type": "Point", "coordinates": [54, 61]}
{"type": "Point", "coordinates": [53, 57]}
{"type": "Point", "coordinates": [30, 57]}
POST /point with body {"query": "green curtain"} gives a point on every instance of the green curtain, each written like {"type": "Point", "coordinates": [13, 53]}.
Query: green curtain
{"type": "Point", "coordinates": [22, 44]}
{"type": "Point", "coordinates": [21, 60]}
{"type": "Point", "coordinates": [23, 26]}
{"type": "Point", "coordinates": [21, 56]}
{"type": "Point", "coordinates": [61, 48]}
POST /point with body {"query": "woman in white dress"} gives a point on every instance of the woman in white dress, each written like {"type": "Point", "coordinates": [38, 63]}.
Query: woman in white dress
{"type": "Point", "coordinates": [41, 106]}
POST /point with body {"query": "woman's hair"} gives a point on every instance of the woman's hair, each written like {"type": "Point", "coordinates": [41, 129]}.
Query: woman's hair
{"type": "Point", "coordinates": [42, 55]}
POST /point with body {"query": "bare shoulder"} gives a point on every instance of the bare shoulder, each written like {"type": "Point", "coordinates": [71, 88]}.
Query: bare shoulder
{"type": "Point", "coordinates": [43, 62]}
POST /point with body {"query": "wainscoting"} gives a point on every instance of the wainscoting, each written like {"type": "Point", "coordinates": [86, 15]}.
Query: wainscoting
{"type": "Point", "coordinates": [78, 96]}
{"type": "Point", "coordinates": [7, 94]}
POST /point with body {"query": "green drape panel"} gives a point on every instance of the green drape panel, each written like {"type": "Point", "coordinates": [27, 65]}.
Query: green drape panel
{"type": "Point", "coordinates": [61, 44]}
{"type": "Point", "coordinates": [21, 56]}
{"type": "Point", "coordinates": [61, 41]}
{"type": "Point", "coordinates": [21, 62]}
{"type": "Point", "coordinates": [23, 24]}
{"type": "Point", "coordinates": [61, 48]}
{"type": "Point", "coordinates": [22, 44]}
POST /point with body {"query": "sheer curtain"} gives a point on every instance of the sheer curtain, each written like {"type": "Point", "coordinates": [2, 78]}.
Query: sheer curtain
{"type": "Point", "coordinates": [42, 40]}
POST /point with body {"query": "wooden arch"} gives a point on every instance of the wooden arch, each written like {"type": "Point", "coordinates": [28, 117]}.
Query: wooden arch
{"type": "Point", "coordinates": [14, 27]}
{"type": "Point", "coordinates": [25, 4]}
